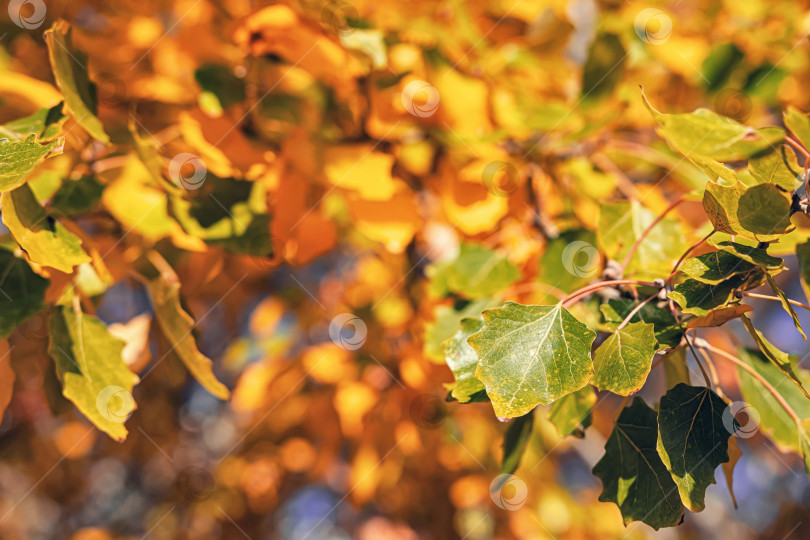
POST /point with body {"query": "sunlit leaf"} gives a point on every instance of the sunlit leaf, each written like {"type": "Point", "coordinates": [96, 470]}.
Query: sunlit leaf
{"type": "Point", "coordinates": [18, 158]}
{"type": "Point", "coordinates": [621, 364]}
{"type": "Point", "coordinates": [45, 240]}
{"type": "Point", "coordinates": [91, 369]}
{"type": "Point", "coordinates": [177, 326]}
{"type": "Point", "coordinates": [462, 360]}
{"type": "Point", "coordinates": [70, 71]}
{"type": "Point", "coordinates": [531, 355]}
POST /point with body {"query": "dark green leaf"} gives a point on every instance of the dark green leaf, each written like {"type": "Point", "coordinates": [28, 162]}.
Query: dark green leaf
{"type": "Point", "coordinates": [667, 331]}
{"type": "Point", "coordinates": [603, 67]}
{"type": "Point", "coordinates": [712, 268]}
{"type": "Point", "coordinates": [692, 440]}
{"type": "Point", "coordinates": [78, 196]}
{"type": "Point", "coordinates": [697, 298]}
{"type": "Point", "coordinates": [22, 292]}
{"type": "Point", "coordinates": [515, 441]}
{"type": "Point", "coordinates": [753, 255]}
{"type": "Point", "coordinates": [632, 473]}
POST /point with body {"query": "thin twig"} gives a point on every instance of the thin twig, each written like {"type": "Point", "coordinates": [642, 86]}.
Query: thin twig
{"type": "Point", "coordinates": [768, 297]}
{"type": "Point", "coordinates": [634, 311]}
{"type": "Point", "coordinates": [600, 284]}
{"type": "Point", "coordinates": [646, 231]}
{"type": "Point", "coordinates": [702, 343]}
{"type": "Point", "coordinates": [687, 252]}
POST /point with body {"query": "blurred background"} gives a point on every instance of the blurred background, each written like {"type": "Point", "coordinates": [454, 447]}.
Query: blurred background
{"type": "Point", "coordinates": [369, 130]}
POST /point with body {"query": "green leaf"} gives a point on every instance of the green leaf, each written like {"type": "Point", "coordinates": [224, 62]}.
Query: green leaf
{"type": "Point", "coordinates": [445, 325]}
{"type": "Point", "coordinates": [603, 67]}
{"type": "Point", "coordinates": [45, 124]}
{"type": "Point", "coordinates": [753, 255]}
{"type": "Point", "coordinates": [715, 267]}
{"type": "Point", "coordinates": [569, 261]}
{"type": "Point", "coordinates": [69, 67]}
{"type": "Point", "coordinates": [778, 358]}
{"type": "Point", "coordinates": [18, 158]}
{"type": "Point", "coordinates": [632, 473]}
{"type": "Point", "coordinates": [78, 196]}
{"type": "Point", "coordinates": [515, 441]}
{"type": "Point", "coordinates": [177, 326]}
{"type": "Point", "coordinates": [224, 213]}
{"type": "Point", "coordinates": [667, 331]}
{"type": "Point", "coordinates": [761, 212]}
{"type": "Point", "coordinates": [571, 414]}
{"type": "Point", "coordinates": [476, 272]}
{"type": "Point", "coordinates": [773, 419]}
{"type": "Point", "coordinates": [46, 241]}
{"type": "Point", "coordinates": [697, 298]}
{"type": "Point", "coordinates": [221, 82]}
{"type": "Point", "coordinates": [530, 355]}
{"type": "Point", "coordinates": [462, 361]}
{"type": "Point", "coordinates": [803, 255]}
{"type": "Point", "coordinates": [621, 364]}
{"type": "Point", "coordinates": [787, 306]}
{"type": "Point", "coordinates": [22, 292]}
{"type": "Point", "coordinates": [779, 167]}
{"type": "Point", "coordinates": [707, 134]}
{"type": "Point", "coordinates": [798, 123]}
{"type": "Point", "coordinates": [621, 224]}
{"type": "Point", "coordinates": [91, 369]}
{"type": "Point", "coordinates": [692, 440]}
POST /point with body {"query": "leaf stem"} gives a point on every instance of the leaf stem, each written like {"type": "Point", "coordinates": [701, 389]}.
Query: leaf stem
{"type": "Point", "coordinates": [802, 150]}
{"type": "Point", "coordinates": [702, 343]}
{"type": "Point", "coordinates": [634, 311]}
{"type": "Point", "coordinates": [769, 297]}
{"type": "Point", "coordinates": [568, 300]}
{"type": "Point", "coordinates": [646, 231]}
{"type": "Point", "coordinates": [687, 252]}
